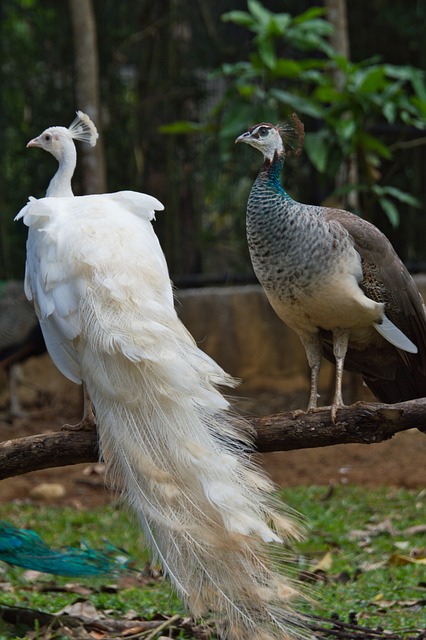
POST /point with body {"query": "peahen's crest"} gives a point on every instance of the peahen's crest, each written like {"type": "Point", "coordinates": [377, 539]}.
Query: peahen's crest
{"type": "Point", "coordinates": [292, 132]}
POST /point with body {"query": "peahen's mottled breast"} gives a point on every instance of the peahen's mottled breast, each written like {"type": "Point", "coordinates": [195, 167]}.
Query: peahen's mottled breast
{"type": "Point", "coordinates": [293, 249]}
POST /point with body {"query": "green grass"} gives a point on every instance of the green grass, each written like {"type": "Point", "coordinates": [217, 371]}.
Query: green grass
{"type": "Point", "coordinates": [366, 534]}
{"type": "Point", "coordinates": [361, 536]}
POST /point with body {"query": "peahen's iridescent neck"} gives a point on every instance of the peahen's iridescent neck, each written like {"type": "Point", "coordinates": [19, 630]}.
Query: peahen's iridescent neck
{"type": "Point", "coordinates": [271, 173]}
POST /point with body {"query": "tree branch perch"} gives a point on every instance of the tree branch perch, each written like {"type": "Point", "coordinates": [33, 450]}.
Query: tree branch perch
{"type": "Point", "coordinates": [364, 423]}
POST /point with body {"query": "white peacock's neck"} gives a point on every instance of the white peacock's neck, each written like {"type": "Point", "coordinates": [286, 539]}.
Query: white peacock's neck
{"type": "Point", "coordinates": [60, 184]}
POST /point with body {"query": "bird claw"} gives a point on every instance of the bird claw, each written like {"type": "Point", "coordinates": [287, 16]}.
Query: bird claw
{"type": "Point", "coordinates": [87, 424]}
{"type": "Point", "coordinates": [297, 413]}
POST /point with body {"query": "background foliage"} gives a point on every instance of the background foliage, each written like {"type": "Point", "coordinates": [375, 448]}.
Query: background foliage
{"type": "Point", "coordinates": [174, 62]}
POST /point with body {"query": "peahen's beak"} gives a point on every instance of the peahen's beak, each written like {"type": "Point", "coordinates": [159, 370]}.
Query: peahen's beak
{"type": "Point", "coordinates": [243, 137]}
{"type": "Point", "coordinates": [35, 142]}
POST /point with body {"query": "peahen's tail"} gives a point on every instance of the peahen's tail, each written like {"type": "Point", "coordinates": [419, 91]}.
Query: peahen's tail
{"type": "Point", "coordinates": [183, 463]}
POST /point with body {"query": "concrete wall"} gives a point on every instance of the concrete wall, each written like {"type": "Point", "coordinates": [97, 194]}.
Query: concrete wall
{"type": "Point", "coordinates": [239, 329]}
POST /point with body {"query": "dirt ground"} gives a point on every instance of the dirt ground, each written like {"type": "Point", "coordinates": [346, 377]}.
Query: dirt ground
{"type": "Point", "coordinates": [397, 462]}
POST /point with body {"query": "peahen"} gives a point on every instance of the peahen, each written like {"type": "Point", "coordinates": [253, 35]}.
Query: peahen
{"type": "Point", "coordinates": [173, 449]}
{"type": "Point", "coordinates": [20, 337]}
{"type": "Point", "coordinates": [335, 280]}
{"type": "Point", "coordinates": [25, 548]}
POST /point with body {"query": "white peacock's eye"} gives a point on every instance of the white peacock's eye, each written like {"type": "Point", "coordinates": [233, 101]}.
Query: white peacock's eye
{"type": "Point", "coordinates": [47, 137]}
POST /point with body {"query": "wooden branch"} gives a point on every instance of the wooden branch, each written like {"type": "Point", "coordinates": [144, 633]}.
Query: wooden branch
{"type": "Point", "coordinates": [365, 423]}
{"type": "Point", "coordinates": [362, 423]}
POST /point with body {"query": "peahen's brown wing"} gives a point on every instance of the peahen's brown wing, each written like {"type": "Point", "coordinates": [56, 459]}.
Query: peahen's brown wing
{"type": "Point", "coordinates": [392, 375]}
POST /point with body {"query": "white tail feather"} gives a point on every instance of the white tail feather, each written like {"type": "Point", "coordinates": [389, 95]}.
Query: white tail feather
{"type": "Point", "coordinates": [392, 334]}
{"type": "Point", "coordinates": [182, 462]}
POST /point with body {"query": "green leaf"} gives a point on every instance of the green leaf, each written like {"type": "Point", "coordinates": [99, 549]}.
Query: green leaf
{"type": "Point", "coordinates": [267, 53]}
{"type": "Point", "coordinates": [238, 117]}
{"type": "Point", "coordinates": [328, 94]}
{"type": "Point", "coordinates": [287, 68]}
{"type": "Point", "coordinates": [419, 85]}
{"type": "Point", "coordinates": [246, 90]}
{"type": "Point", "coordinates": [181, 127]}
{"type": "Point", "coordinates": [283, 21]}
{"type": "Point", "coordinates": [421, 108]}
{"type": "Point", "coordinates": [391, 211]}
{"type": "Point", "coordinates": [259, 12]}
{"type": "Point", "coordinates": [346, 128]}
{"type": "Point", "coordinates": [242, 18]}
{"type": "Point", "coordinates": [370, 143]}
{"type": "Point", "coordinates": [371, 80]}
{"type": "Point", "coordinates": [317, 148]}
{"type": "Point", "coordinates": [309, 14]}
{"type": "Point", "coordinates": [390, 111]}
{"type": "Point", "coordinates": [298, 103]}
{"type": "Point", "coordinates": [402, 196]}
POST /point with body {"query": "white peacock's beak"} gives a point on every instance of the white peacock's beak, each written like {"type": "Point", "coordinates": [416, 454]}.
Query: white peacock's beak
{"type": "Point", "coordinates": [243, 137]}
{"type": "Point", "coordinates": [35, 142]}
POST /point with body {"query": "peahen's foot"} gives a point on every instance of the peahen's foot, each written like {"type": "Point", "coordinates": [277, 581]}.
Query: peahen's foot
{"type": "Point", "coordinates": [297, 413]}
{"type": "Point", "coordinates": [333, 411]}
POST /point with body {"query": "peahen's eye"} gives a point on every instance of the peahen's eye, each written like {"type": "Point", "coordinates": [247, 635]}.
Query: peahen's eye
{"type": "Point", "coordinates": [263, 132]}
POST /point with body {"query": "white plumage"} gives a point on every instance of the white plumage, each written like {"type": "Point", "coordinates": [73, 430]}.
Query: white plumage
{"type": "Point", "coordinates": [180, 458]}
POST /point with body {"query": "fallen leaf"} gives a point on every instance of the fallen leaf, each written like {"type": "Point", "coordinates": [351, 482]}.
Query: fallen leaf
{"type": "Point", "coordinates": [81, 610]}
{"type": "Point", "coordinates": [402, 545]}
{"type": "Point", "coordinates": [324, 564]}
{"type": "Point", "coordinates": [415, 529]}
{"type": "Point", "coordinates": [372, 566]}
{"type": "Point", "coordinates": [141, 628]}
{"type": "Point", "coordinates": [399, 560]}
{"type": "Point", "coordinates": [389, 604]}
{"type": "Point", "coordinates": [386, 604]}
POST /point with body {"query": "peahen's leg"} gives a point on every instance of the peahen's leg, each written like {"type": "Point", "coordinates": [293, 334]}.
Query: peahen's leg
{"type": "Point", "coordinates": [313, 348]}
{"type": "Point", "coordinates": [340, 347]}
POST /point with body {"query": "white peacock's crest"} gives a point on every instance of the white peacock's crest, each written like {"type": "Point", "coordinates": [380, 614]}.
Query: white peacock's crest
{"type": "Point", "coordinates": [83, 129]}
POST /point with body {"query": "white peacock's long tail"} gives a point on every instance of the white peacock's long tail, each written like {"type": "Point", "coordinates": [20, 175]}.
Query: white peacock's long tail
{"type": "Point", "coordinates": [173, 449]}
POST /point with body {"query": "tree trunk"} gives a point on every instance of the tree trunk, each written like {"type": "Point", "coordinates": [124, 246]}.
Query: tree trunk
{"type": "Point", "coordinates": [87, 90]}
{"type": "Point", "coordinates": [339, 40]}
{"type": "Point", "coordinates": [337, 16]}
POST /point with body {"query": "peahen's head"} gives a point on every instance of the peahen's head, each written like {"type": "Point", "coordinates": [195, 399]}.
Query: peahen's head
{"type": "Point", "coordinates": [270, 139]}
{"type": "Point", "coordinates": [59, 140]}
{"type": "Point", "coordinates": [265, 137]}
